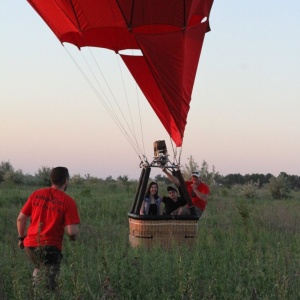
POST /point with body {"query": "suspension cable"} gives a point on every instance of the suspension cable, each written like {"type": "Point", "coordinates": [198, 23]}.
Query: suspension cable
{"type": "Point", "coordinates": [125, 92]}
{"type": "Point", "coordinates": [107, 105]}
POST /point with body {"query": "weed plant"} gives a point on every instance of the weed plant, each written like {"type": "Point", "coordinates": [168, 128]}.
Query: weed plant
{"type": "Point", "coordinates": [246, 249]}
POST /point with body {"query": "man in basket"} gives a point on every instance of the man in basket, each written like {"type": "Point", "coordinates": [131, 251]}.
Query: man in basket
{"type": "Point", "coordinates": [197, 190]}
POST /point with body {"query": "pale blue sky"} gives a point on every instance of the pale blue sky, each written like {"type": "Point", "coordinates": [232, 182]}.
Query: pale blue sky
{"type": "Point", "coordinates": [244, 115]}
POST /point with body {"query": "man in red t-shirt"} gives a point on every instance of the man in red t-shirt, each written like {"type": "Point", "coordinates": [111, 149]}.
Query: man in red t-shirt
{"type": "Point", "coordinates": [197, 190]}
{"type": "Point", "coordinates": [52, 212]}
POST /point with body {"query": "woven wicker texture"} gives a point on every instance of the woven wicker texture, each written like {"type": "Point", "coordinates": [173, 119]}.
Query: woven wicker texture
{"type": "Point", "coordinates": [166, 233]}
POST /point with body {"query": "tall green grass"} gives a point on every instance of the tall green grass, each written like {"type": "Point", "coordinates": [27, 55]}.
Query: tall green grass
{"type": "Point", "coordinates": [246, 249]}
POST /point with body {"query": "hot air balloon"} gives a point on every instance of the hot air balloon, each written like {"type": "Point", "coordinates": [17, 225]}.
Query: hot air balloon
{"type": "Point", "coordinates": [169, 35]}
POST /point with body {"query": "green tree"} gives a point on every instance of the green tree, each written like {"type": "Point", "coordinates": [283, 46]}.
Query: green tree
{"type": "Point", "coordinates": [43, 176]}
{"type": "Point", "coordinates": [5, 167]}
{"type": "Point", "coordinates": [295, 181]}
{"type": "Point", "coordinates": [123, 179]}
{"type": "Point", "coordinates": [208, 176]}
{"type": "Point", "coordinates": [109, 178]}
{"type": "Point", "coordinates": [30, 180]}
{"type": "Point", "coordinates": [232, 179]}
{"type": "Point", "coordinates": [160, 178]}
{"type": "Point", "coordinates": [12, 176]}
{"type": "Point", "coordinates": [188, 168]}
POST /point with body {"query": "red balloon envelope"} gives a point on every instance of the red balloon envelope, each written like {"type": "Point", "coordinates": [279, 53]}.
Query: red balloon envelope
{"type": "Point", "coordinates": [169, 33]}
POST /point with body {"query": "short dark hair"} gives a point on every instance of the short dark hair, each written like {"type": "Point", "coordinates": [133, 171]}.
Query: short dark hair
{"type": "Point", "coordinates": [59, 175]}
{"type": "Point", "coordinates": [171, 188]}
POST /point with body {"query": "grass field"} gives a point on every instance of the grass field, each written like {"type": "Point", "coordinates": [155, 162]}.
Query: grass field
{"type": "Point", "coordinates": [246, 249]}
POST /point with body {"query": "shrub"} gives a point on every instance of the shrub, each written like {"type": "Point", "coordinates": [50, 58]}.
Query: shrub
{"type": "Point", "coordinates": [77, 179]}
{"type": "Point", "coordinates": [279, 187]}
{"type": "Point", "coordinates": [249, 190]}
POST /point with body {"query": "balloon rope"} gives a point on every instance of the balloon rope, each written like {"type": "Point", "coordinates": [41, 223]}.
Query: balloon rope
{"type": "Point", "coordinates": [176, 162]}
{"type": "Point", "coordinates": [108, 107]}
{"type": "Point", "coordinates": [128, 106]}
{"type": "Point", "coordinates": [140, 116]}
{"type": "Point", "coordinates": [114, 98]}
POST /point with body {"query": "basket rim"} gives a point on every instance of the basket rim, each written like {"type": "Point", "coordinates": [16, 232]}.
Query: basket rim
{"type": "Point", "coordinates": [162, 217]}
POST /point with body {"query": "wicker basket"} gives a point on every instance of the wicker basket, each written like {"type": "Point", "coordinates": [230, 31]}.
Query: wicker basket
{"type": "Point", "coordinates": [163, 232]}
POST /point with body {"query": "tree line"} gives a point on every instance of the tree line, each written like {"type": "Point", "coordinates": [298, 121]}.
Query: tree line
{"type": "Point", "coordinates": [212, 177]}
{"type": "Point", "coordinates": [9, 175]}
